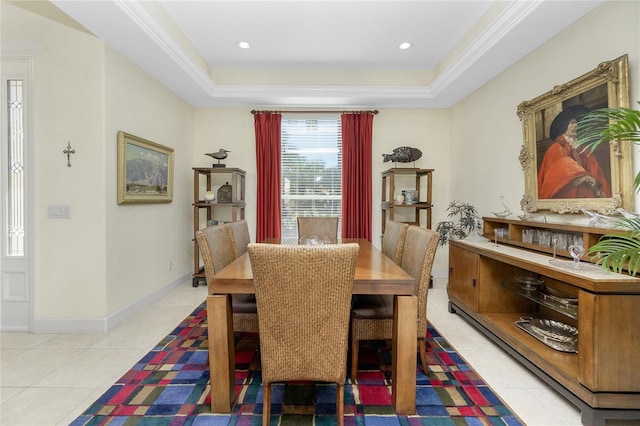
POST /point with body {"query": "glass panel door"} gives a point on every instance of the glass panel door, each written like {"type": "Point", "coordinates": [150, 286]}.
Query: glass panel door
{"type": "Point", "coordinates": [15, 297]}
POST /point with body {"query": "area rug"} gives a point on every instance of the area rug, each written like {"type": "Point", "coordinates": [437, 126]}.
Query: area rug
{"type": "Point", "coordinates": [170, 386]}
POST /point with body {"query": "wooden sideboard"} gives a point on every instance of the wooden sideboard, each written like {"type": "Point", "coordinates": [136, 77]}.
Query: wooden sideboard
{"type": "Point", "coordinates": [601, 376]}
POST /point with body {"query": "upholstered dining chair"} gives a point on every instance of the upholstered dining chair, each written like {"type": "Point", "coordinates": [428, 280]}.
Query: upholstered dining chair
{"type": "Point", "coordinates": [372, 317]}
{"type": "Point", "coordinates": [307, 340]}
{"type": "Point", "coordinates": [219, 248]}
{"type": "Point", "coordinates": [393, 240]}
{"type": "Point", "coordinates": [323, 229]}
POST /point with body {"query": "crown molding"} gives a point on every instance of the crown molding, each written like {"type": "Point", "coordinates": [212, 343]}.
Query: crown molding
{"type": "Point", "coordinates": [147, 23]}
{"type": "Point", "coordinates": [500, 27]}
{"type": "Point", "coordinates": [353, 96]}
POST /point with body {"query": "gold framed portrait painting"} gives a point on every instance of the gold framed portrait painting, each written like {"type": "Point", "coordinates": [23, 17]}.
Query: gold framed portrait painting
{"type": "Point", "coordinates": [145, 171]}
{"type": "Point", "coordinates": [561, 176]}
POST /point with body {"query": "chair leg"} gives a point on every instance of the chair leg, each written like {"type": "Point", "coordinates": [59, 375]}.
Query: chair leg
{"type": "Point", "coordinates": [340, 403]}
{"type": "Point", "coordinates": [354, 360]}
{"type": "Point", "coordinates": [423, 354]}
{"type": "Point", "coordinates": [266, 403]}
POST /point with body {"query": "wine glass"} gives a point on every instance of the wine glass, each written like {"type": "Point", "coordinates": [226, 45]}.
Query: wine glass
{"type": "Point", "coordinates": [576, 251]}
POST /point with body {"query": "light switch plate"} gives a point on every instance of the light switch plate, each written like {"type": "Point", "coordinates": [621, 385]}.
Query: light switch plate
{"type": "Point", "coordinates": [60, 212]}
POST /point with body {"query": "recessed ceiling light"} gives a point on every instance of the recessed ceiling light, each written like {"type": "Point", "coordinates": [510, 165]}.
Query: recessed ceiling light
{"type": "Point", "coordinates": [404, 45]}
{"type": "Point", "coordinates": [243, 45]}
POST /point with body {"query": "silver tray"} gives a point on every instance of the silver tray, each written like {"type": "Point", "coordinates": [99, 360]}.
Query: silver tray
{"type": "Point", "coordinates": [571, 346]}
{"type": "Point", "coordinates": [556, 298]}
{"type": "Point", "coordinates": [554, 330]}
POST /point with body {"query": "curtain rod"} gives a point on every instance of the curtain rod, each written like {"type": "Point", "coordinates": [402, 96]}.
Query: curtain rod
{"type": "Point", "coordinates": [253, 111]}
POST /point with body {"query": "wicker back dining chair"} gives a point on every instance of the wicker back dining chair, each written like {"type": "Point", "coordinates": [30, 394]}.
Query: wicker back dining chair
{"type": "Point", "coordinates": [372, 317]}
{"type": "Point", "coordinates": [241, 236]}
{"type": "Point", "coordinates": [319, 229]}
{"type": "Point", "coordinates": [393, 240]}
{"type": "Point", "coordinates": [218, 248]}
{"type": "Point", "coordinates": [307, 340]}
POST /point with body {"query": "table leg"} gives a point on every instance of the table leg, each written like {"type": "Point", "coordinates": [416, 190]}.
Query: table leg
{"type": "Point", "coordinates": [404, 359]}
{"type": "Point", "coordinates": [221, 352]}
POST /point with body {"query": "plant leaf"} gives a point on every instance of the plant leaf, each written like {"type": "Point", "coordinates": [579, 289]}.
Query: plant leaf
{"type": "Point", "coordinates": [607, 124]}
{"type": "Point", "coordinates": [620, 252]}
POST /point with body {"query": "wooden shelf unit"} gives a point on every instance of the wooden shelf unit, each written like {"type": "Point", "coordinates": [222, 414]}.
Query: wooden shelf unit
{"type": "Point", "coordinates": [203, 180]}
{"type": "Point", "coordinates": [602, 379]}
{"type": "Point", "coordinates": [424, 190]}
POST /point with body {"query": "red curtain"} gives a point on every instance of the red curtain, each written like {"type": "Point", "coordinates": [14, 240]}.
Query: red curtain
{"type": "Point", "coordinates": [267, 128]}
{"type": "Point", "coordinates": [357, 141]}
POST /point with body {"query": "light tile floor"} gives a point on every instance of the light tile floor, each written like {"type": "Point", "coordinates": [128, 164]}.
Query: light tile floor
{"type": "Point", "coordinates": [50, 379]}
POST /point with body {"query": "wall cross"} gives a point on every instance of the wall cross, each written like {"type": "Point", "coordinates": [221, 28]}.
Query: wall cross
{"type": "Point", "coordinates": [69, 151]}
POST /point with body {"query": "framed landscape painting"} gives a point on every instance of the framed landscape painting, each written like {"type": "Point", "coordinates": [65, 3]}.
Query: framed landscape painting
{"type": "Point", "coordinates": [145, 171]}
{"type": "Point", "coordinates": [560, 176]}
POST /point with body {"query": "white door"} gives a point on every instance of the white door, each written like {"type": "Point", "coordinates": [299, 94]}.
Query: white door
{"type": "Point", "coordinates": [15, 169]}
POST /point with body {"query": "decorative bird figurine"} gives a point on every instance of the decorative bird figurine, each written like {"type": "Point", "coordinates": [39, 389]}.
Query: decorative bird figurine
{"type": "Point", "coordinates": [504, 213]}
{"type": "Point", "coordinates": [598, 220]}
{"type": "Point", "coordinates": [220, 155]}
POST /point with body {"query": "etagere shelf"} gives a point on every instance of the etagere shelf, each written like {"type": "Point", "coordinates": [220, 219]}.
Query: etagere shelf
{"type": "Point", "coordinates": [391, 187]}
{"type": "Point", "coordinates": [204, 211]}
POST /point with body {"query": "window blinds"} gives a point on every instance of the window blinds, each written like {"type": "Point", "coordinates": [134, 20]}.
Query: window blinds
{"type": "Point", "coordinates": [311, 169]}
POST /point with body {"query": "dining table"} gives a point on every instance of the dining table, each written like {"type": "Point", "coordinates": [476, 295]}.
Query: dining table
{"type": "Point", "coordinates": [375, 274]}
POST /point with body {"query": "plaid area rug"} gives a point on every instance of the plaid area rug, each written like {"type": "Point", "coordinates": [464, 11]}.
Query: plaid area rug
{"type": "Point", "coordinates": [170, 386]}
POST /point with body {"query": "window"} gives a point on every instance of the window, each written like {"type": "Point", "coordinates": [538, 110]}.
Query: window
{"type": "Point", "coordinates": [15, 173]}
{"type": "Point", "coordinates": [311, 170]}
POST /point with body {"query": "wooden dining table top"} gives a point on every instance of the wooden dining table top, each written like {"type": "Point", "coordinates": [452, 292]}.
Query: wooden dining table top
{"type": "Point", "coordinates": [375, 274]}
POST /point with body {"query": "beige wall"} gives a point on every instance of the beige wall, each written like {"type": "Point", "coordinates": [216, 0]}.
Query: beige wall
{"type": "Point", "coordinates": [92, 270]}
{"type": "Point", "coordinates": [141, 240]}
{"type": "Point", "coordinates": [69, 268]}
{"type": "Point", "coordinates": [232, 129]}
{"type": "Point", "coordinates": [429, 131]}
{"type": "Point", "coordinates": [487, 134]}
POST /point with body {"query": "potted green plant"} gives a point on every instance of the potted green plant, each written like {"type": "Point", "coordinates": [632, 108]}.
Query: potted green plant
{"type": "Point", "coordinates": [617, 251]}
{"type": "Point", "coordinates": [467, 217]}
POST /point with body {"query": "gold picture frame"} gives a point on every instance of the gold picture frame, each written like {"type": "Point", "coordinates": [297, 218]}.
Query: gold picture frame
{"type": "Point", "coordinates": [605, 86]}
{"type": "Point", "coordinates": [145, 171]}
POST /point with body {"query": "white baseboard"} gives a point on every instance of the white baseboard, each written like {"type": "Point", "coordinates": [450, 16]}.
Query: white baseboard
{"type": "Point", "coordinates": [68, 325]}
{"type": "Point", "coordinates": [102, 325]}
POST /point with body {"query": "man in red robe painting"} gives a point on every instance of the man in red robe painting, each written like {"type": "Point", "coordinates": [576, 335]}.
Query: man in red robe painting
{"type": "Point", "coordinates": [565, 171]}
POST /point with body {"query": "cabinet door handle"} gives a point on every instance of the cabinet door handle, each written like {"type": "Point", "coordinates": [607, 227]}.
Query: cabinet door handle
{"type": "Point", "coordinates": [473, 282]}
